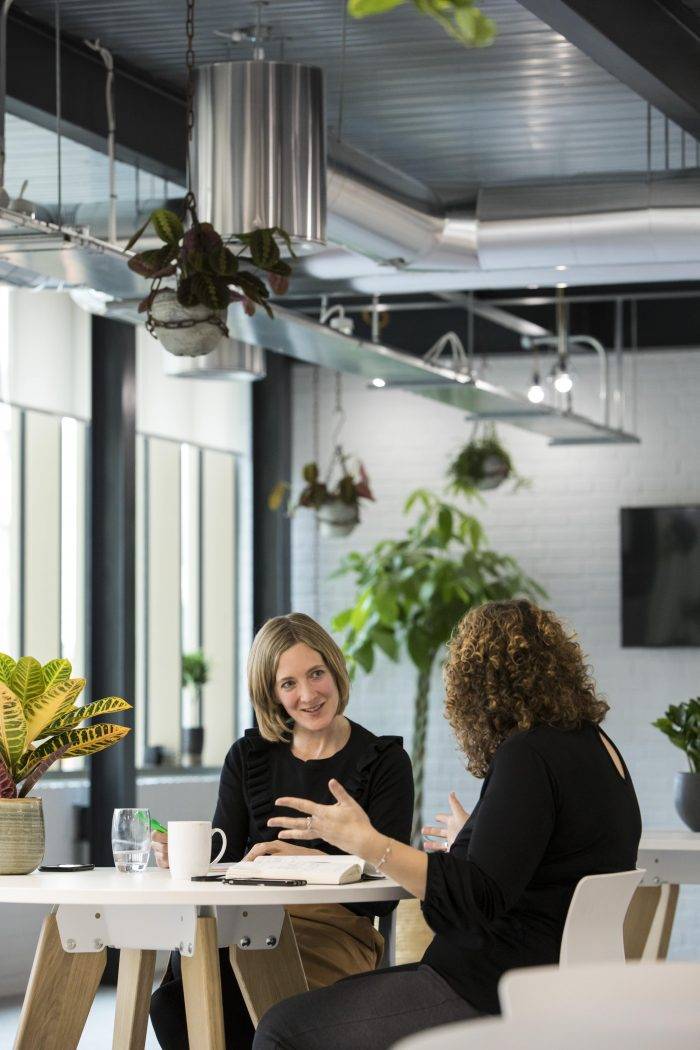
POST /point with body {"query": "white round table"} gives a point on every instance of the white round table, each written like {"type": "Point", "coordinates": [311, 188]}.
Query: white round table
{"type": "Point", "coordinates": [141, 913]}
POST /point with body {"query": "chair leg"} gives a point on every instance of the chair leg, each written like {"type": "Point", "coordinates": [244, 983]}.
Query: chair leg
{"type": "Point", "coordinates": [61, 990]}
{"type": "Point", "coordinates": [649, 921]}
{"type": "Point", "coordinates": [268, 975]}
{"type": "Point", "coordinates": [201, 980]}
{"type": "Point", "coordinates": [136, 969]}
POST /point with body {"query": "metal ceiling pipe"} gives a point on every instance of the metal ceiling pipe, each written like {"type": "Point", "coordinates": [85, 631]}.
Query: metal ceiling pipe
{"type": "Point", "coordinates": [230, 359]}
{"type": "Point", "coordinates": [260, 153]}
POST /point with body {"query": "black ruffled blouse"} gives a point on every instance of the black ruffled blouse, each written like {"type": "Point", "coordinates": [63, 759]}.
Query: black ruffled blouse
{"type": "Point", "coordinates": [375, 770]}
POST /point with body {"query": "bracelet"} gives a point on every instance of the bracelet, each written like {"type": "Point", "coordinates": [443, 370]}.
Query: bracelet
{"type": "Point", "coordinates": [384, 857]}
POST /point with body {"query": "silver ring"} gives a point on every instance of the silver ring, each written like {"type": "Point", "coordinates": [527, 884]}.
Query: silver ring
{"type": "Point", "coordinates": [308, 823]}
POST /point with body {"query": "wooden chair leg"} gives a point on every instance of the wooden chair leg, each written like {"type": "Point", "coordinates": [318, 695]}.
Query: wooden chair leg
{"type": "Point", "coordinates": [61, 990]}
{"type": "Point", "coordinates": [136, 970]}
{"type": "Point", "coordinates": [202, 984]}
{"type": "Point", "coordinates": [270, 974]}
{"type": "Point", "coordinates": [649, 921]}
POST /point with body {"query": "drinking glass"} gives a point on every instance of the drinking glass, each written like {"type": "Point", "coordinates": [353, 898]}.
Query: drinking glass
{"type": "Point", "coordinates": [131, 839]}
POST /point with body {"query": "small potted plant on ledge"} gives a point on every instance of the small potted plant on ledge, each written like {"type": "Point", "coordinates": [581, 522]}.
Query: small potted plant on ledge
{"type": "Point", "coordinates": [39, 724]}
{"type": "Point", "coordinates": [681, 724]}
{"type": "Point", "coordinates": [195, 675]}
{"type": "Point", "coordinates": [337, 506]}
{"type": "Point", "coordinates": [482, 464]}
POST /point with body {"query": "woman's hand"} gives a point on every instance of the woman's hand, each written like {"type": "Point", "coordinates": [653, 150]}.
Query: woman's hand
{"type": "Point", "coordinates": [159, 841]}
{"type": "Point", "coordinates": [270, 849]}
{"type": "Point", "coordinates": [453, 823]}
{"type": "Point", "coordinates": [344, 825]}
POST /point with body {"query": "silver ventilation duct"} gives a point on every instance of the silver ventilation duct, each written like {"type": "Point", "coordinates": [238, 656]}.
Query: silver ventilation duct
{"type": "Point", "coordinates": [230, 359]}
{"type": "Point", "coordinates": [260, 155]}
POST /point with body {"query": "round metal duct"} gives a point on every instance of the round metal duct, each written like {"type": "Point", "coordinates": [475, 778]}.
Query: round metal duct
{"type": "Point", "coordinates": [260, 150]}
{"type": "Point", "coordinates": [231, 359]}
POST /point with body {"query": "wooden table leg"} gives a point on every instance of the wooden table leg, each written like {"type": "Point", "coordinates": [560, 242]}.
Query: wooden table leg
{"type": "Point", "coordinates": [268, 975]}
{"type": "Point", "coordinates": [649, 921]}
{"type": "Point", "coordinates": [202, 984]}
{"type": "Point", "coordinates": [61, 990]}
{"type": "Point", "coordinates": [136, 969]}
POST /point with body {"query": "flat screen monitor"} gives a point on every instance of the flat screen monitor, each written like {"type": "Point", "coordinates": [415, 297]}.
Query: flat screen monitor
{"type": "Point", "coordinates": [660, 576]}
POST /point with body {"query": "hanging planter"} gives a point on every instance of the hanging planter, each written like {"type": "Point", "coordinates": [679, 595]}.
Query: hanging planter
{"type": "Point", "coordinates": [482, 464]}
{"type": "Point", "coordinates": [209, 272]}
{"type": "Point", "coordinates": [337, 506]}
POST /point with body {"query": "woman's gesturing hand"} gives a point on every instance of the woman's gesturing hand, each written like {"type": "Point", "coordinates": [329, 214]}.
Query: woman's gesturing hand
{"type": "Point", "coordinates": [159, 841]}
{"type": "Point", "coordinates": [452, 822]}
{"type": "Point", "coordinates": [344, 825]}
{"type": "Point", "coordinates": [269, 849]}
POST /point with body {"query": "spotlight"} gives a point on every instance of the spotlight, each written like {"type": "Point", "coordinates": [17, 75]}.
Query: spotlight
{"type": "Point", "coordinates": [378, 382]}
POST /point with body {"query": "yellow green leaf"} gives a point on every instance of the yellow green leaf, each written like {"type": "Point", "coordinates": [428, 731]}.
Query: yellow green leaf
{"type": "Point", "coordinates": [27, 679]}
{"type": "Point", "coordinates": [78, 742]}
{"type": "Point", "coordinates": [73, 718]}
{"type": "Point", "coordinates": [7, 666]}
{"type": "Point", "coordinates": [43, 709]}
{"type": "Point", "coordinates": [13, 728]}
{"type": "Point", "coordinates": [56, 671]}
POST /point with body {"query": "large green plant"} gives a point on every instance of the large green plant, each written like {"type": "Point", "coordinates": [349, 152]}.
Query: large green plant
{"type": "Point", "coordinates": [195, 668]}
{"type": "Point", "coordinates": [39, 721]}
{"type": "Point", "coordinates": [681, 724]}
{"type": "Point", "coordinates": [411, 592]}
{"type": "Point", "coordinates": [462, 19]}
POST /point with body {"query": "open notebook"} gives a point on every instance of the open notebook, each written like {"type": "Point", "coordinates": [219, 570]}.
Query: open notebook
{"type": "Point", "coordinates": [320, 871]}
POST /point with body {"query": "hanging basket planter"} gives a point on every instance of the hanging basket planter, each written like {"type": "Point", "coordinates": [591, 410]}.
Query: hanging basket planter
{"type": "Point", "coordinates": [337, 507]}
{"type": "Point", "coordinates": [186, 331]}
{"type": "Point", "coordinates": [482, 464]}
{"type": "Point", "coordinates": [337, 519]}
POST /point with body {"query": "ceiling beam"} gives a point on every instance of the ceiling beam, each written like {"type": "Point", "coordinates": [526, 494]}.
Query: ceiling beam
{"type": "Point", "coordinates": [652, 46]}
{"type": "Point", "coordinates": [150, 119]}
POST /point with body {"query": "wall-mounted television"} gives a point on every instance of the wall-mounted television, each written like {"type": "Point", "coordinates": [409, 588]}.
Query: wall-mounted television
{"type": "Point", "coordinates": [660, 576]}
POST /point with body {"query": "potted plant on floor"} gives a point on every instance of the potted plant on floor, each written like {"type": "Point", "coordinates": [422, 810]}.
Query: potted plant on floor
{"type": "Point", "coordinates": [681, 724]}
{"type": "Point", "coordinates": [412, 591]}
{"type": "Point", "coordinates": [195, 675]}
{"type": "Point", "coordinates": [40, 723]}
{"type": "Point", "coordinates": [337, 506]}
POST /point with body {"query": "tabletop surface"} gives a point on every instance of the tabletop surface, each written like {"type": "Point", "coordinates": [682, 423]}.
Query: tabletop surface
{"type": "Point", "coordinates": [155, 886]}
{"type": "Point", "coordinates": [670, 840]}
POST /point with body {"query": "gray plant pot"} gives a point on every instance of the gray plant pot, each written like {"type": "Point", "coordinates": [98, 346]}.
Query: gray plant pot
{"type": "Point", "coordinates": [21, 835]}
{"type": "Point", "coordinates": [192, 745]}
{"type": "Point", "coordinates": [687, 799]}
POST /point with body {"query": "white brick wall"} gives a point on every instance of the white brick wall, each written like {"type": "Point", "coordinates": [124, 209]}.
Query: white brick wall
{"type": "Point", "coordinates": [564, 530]}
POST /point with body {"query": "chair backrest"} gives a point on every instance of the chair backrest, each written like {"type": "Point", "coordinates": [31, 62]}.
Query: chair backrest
{"type": "Point", "coordinates": [594, 922]}
{"type": "Point", "coordinates": [599, 989]}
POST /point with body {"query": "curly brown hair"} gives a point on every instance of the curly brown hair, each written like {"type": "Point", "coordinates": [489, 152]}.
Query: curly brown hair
{"type": "Point", "coordinates": [510, 666]}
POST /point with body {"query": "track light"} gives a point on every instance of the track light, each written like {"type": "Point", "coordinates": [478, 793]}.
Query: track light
{"type": "Point", "coordinates": [336, 318]}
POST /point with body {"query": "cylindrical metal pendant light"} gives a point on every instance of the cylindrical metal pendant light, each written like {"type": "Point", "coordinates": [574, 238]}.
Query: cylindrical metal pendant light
{"type": "Point", "coordinates": [230, 359]}
{"type": "Point", "coordinates": [260, 154]}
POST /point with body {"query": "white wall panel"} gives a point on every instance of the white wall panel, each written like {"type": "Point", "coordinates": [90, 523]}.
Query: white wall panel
{"type": "Point", "coordinates": [42, 534]}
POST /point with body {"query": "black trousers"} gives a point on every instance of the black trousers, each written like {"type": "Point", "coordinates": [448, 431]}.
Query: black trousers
{"type": "Point", "coordinates": [168, 1008]}
{"type": "Point", "coordinates": [369, 1011]}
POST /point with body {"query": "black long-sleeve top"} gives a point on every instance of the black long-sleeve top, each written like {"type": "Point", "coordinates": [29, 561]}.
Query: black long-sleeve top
{"type": "Point", "coordinates": [552, 809]}
{"type": "Point", "coordinates": [375, 770]}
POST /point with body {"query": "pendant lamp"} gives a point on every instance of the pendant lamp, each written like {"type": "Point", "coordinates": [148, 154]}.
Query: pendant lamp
{"type": "Point", "coordinates": [230, 359]}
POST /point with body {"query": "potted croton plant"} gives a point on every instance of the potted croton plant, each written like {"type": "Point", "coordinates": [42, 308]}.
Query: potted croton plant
{"type": "Point", "coordinates": [204, 273]}
{"type": "Point", "coordinates": [681, 724]}
{"type": "Point", "coordinates": [40, 722]}
{"type": "Point", "coordinates": [337, 506]}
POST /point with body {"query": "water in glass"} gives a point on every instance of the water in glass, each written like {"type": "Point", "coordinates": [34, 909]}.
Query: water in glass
{"type": "Point", "coordinates": [131, 839]}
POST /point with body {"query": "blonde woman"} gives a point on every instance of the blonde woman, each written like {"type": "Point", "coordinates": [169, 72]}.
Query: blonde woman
{"type": "Point", "coordinates": [557, 804]}
{"type": "Point", "coordinates": [299, 688]}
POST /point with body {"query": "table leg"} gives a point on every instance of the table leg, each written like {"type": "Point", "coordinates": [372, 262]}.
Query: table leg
{"type": "Point", "coordinates": [649, 921]}
{"type": "Point", "coordinates": [61, 990]}
{"type": "Point", "coordinates": [136, 969]}
{"type": "Point", "coordinates": [202, 984]}
{"type": "Point", "coordinates": [268, 975]}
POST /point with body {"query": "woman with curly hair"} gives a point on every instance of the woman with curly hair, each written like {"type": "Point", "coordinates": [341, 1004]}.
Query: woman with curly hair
{"type": "Point", "coordinates": [557, 804]}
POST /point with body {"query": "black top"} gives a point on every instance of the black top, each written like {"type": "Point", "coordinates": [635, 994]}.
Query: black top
{"type": "Point", "coordinates": [375, 770]}
{"type": "Point", "coordinates": [552, 809]}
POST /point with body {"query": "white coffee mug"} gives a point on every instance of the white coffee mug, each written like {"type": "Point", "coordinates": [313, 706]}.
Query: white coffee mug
{"type": "Point", "coordinates": [189, 847]}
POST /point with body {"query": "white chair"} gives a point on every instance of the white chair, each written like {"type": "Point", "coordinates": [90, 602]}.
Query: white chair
{"type": "Point", "coordinates": [653, 1028]}
{"type": "Point", "coordinates": [596, 989]}
{"type": "Point", "coordinates": [594, 922]}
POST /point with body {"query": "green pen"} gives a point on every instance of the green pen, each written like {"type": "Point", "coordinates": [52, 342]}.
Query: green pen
{"type": "Point", "coordinates": [157, 826]}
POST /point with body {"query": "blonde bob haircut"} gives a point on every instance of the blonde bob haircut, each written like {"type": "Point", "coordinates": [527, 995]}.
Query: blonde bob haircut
{"type": "Point", "coordinates": [273, 639]}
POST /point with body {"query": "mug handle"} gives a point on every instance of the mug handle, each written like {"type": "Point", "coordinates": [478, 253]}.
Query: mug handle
{"type": "Point", "coordinates": [218, 831]}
